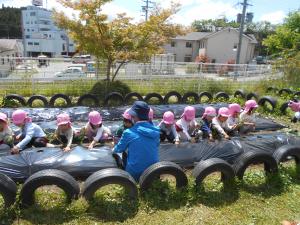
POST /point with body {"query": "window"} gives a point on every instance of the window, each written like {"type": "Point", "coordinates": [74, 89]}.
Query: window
{"type": "Point", "coordinates": [235, 46]}
{"type": "Point", "coordinates": [2, 61]}
{"type": "Point", "coordinates": [30, 43]}
{"type": "Point", "coordinates": [71, 45]}
{"type": "Point", "coordinates": [32, 14]}
{"type": "Point", "coordinates": [36, 43]}
{"type": "Point", "coordinates": [175, 57]}
{"type": "Point", "coordinates": [188, 58]}
{"type": "Point", "coordinates": [173, 44]}
{"type": "Point", "coordinates": [202, 45]}
{"type": "Point", "coordinates": [188, 44]}
{"type": "Point", "coordinates": [28, 30]}
{"type": "Point", "coordinates": [63, 47]}
{"type": "Point", "coordinates": [7, 58]}
{"type": "Point", "coordinates": [32, 30]}
{"type": "Point", "coordinates": [44, 29]}
{"type": "Point", "coordinates": [27, 36]}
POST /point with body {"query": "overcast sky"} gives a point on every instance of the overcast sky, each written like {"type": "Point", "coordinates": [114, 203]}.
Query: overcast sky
{"type": "Point", "coordinates": [270, 10]}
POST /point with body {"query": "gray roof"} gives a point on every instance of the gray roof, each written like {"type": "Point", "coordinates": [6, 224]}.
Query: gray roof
{"type": "Point", "coordinates": [193, 36]}
{"type": "Point", "coordinates": [253, 39]}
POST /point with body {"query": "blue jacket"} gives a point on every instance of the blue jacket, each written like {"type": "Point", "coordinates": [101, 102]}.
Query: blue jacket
{"type": "Point", "coordinates": [142, 141]}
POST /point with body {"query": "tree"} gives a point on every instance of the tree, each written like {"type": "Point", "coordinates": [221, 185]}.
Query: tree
{"type": "Point", "coordinates": [118, 41]}
{"type": "Point", "coordinates": [210, 25]}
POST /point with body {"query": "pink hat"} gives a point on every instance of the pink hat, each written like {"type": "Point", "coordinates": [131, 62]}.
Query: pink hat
{"type": "Point", "coordinates": [295, 106]}
{"type": "Point", "coordinates": [223, 111]}
{"type": "Point", "coordinates": [3, 117]}
{"type": "Point", "coordinates": [126, 115]}
{"type": "Point", "coordinates": [20, 116]}
{"type": "Point", "coordinates": [168, 117]}
{"type": "Point", "coordinates": [250, 104]}
{"type": "Point", "coordinates": [95, 118]}
{"type": "Point", "coordinates": [234, 108]}
{"type": "Point", "coordinates": [209, 111]}
{"type": "Point", "coordinates": [189, 113]}
{"type": "Point", "coordinates": [62, 119]}
{"type": "Point", "coordinates": [151, 114]}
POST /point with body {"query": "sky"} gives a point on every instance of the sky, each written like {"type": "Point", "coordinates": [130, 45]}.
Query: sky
{"type": "Point", "coordinates": [273, 11]}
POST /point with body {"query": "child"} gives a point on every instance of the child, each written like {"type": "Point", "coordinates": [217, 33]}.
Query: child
{"type": "Point", "coordinates": [219, 123]}
{"type": "Point", "coordinates": [295, 106]}
{"type": "Point", "coordinates": [127, 123]}
{"type": "Point", "coordinates": [167, 128]}
{"type": "Point", "coordinates": [6, 138]}
{"type": "Point", "coordinates": [247, 117]}
{"type": "Point", "coordinates": [233, 119]}
{"type": "Point", "coordinates": [31, 133]}
{"type": "Point", "coordinates": [186, 126]}
{"type": "Point", "coordinates": [64, 132]}
{"type": "Point", "coordinates": [95, 131]}
{"type": "Point", "coordinates": [206, 122]}
{"type": "Point", "coordinates": [151, 115]}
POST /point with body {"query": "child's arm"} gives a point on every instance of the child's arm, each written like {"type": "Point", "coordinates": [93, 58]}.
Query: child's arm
{"type": "Point", "coordinates": [69, 136]}
{"type": "Point", "coordinates": [220, 130]}
{"type": "Point", "coordinates": [29, 132]}
{"type": "Point", "coordinates": [174, 132]}
{"type": "Point", "coordinates": [96, 138]}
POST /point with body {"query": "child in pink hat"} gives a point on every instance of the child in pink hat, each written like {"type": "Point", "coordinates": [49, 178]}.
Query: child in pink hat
{"type": "Point", "coordinates": [31, 133]}
{"type": "Point", "coordinates": [219, 123]}
{"type": "Point", "coordinates": [95, 131]}
{"type": "Point", "coordinates": [295, 106]}
{"type": "Point", "coordinates": [233, 119]}
{"type": "Point", "coordinates": [127, 123]}
{"type": "Point", "coordinates": [64, 132]}
{"type": "Point", "coordinates": [247, 117]}
{"type": "Point", "coordinates": [205, 123]}
{"type": "Point", "coordinates": [187, 124]}
{"type": "Point", "coordinates": [167, 128]}
{"type": "Point", "coordinates": [6, 134]}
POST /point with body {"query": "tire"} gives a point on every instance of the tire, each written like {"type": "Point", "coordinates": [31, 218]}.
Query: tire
{"type": "Point", "coordinates": [8, 190]}
{"type": "Point", "coordinates": [240, 93]}
{"type": "Point", "coordinates": [132, 94]}
{"type": "Point", "coordinates": [297, 95]}
{"type": "Point", "coordinates": [154, 171]}
{"type": "Point", "coordinates": [115, 95]}
{"type": "Point", "coordinates": [37, 97]}
{"type": "Point", "coordinates": [189, 94]}
{"type": "Point", "coordinates": [170, 94]}
{"type": "Point", "coordinates": [57, 96]}
{"type": "Point", "coordinates": [88, 96]}
{"type": "Point", "coordinates": [154, 95]}
{"type": "Point", "coordinates": [268, 99]}
{"type": "Point", "coordinates": [272, 89]}
{"type": "Point", "coordinates": [205, 94]}
{"type": "Point", "coordinates": [287, 150]}
{"type": "Point", "coordinates": [20, 99]}
{"type": "Point", "coordinates": [252, 95]}
{"type": "Point", "coordinates": [284, 107]}
{"type": "Point", "coordinates": [109, 176]}
{"type": "Point", "coordinates": [286, 91]}
{"type": "Point", "coordinates": [222, 95]}
{"type": "Point", "coordinates": [204, 168]}
{"type": "Point", "coordinates": [253, 157]}
{"type": "Point", "coordinates": [49, 177]}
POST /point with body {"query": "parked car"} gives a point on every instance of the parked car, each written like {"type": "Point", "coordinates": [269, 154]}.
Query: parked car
{"type": "Point", "coordinates": [71, 72]}
{"type": "Point", "coordinates": [81, 59]}
{"type": "Point", "coordinates": [261, 60]}
{"type": "Point", "coordinates": [24, 67]}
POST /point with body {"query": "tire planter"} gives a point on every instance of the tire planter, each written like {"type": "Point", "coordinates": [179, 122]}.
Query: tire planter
{"type": "Point", "coordinates": [153, 173]}
{"type": "Point", "coordinates": [188, 95]}
{"type": "Point", "coordinates": [49, 177]}
{"type": "Point", "coordinates": [252, 95]}
{"type": "Point", "coordinates": [272, 89]}
{"type": "Point", "coordinates": [170, 94]}
{"type": "Point", "coordinates": [253, 157]}
{"type": "Point", "coordinates": [205, 94]}
{"type": "Point", "coordinates": [222, 95]}
{"type": "Point", "coordinates": [8, 190]}
{"type": "Point", "coordinates": [285, 91]}
{"type": "Point", "coordinates": [297, 95]}
{"type": "Point", "coordinates": [283, 152]}
{"type": "Point", "coordinates": [113, 95]}
{"type": "Point", "coordinates": [272, 101]}
{"type": "Point", "coordinates": [18, 98]}
{"type": "Point", "coordinates": [57, 96]}
{"type": "Point", "coordinates": [240, 94]}
{"type": "Point", "coordinates": [154, 95]}
{"type": "Point", "coordinates": [88, 97]}
{"type": "Point", "coordinates": [284, 107]}
{"type": "Point", "coordinates": [37, 97]}
{"type": "Point", "coordinates": [130, 95]}
{"type": "Point", "coordinates": [205, 168]}
{"type": "Point", "coordinates": [106, 177]}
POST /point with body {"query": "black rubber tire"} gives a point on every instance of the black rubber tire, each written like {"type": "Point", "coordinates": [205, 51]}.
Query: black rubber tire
{"type": "Point", "coordinates": [119, 161]}
{"type": "Point", "coordinates": [254, 157]}
{"type": "Point", "coordinates": [268, 99]}
{"type": "Point", "coordinates": [170, 94]}
{"type": "Point", "coordinates": [272, 89]}
{"type": "Point", "coordinates": [240, 94]}
{"type": "Point", "coordinates": [88, 96]}
{"type": "Point", "coordinates": [115, 95]}
{"type": "Point", "coordinates": [106, 177]}
{"type": "Point", "coordinates": [154, 171]}
{"type": "Point", "coordinates": [284, 107]}
{"type": "Point", "coordinates": [222, 95]}
{"type": "Point", "coordinates": [205, 94]}
{"type": "Point", "coordinates": [154, 95]}
{"type": "Point", "coordinates": [190, 94]}
{"type": "Point", "coordinates": [8, 190]}
{"type": "Point", "coordinates": [20, 99]}
{"type": "Point", "coordinates": [204, 168]}
{"type": "Point", "coordinates": [57, 96]}
{"type": "Point", "coordinates": [286, 91]}
{"type": "Point", "coordinates": [132, 94]}
{"type": "Point", "coordinates": [287, 150]}
{"type": "Point", "coordinates": [252, 95]}
{"type": "Point", "coordinates": [49, 177]}
{"type": "Point", "coordinates": [37, 97]}
{"type": "Point", "coordinates": [297, 95]}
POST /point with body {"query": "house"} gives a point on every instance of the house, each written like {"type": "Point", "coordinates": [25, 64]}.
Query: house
{"type": "Point", "coordinates": [219, 47]}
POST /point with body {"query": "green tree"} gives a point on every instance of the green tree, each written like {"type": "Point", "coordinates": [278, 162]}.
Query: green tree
{"type": "Point", "coordinates": [207, 25]}
{"type": "Point", "coordinates": [120, 40]}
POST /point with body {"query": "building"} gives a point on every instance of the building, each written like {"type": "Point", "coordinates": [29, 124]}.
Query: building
{"type": "Point", "coordinates": [41, 36]}
{"type": "Point", "coordinates": [219, 46]}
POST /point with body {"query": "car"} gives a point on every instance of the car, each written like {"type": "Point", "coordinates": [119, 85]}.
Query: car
{"type": "Point", "coordinates": [24, 67]}
{"type": "Point", "coordinates": [261, 60]}
{"type": "Point", "coordinates": [71, 72]}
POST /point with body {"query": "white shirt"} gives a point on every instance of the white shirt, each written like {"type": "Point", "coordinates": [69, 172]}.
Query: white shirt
{"type": "Point", "coordinates": [244, 117]}
{"type": "Point", "coordinates": [169, 130]}
{"type": "Point", "coordinates": [98, 131]}
{"type": "Point", "coordinates": [68, 134]}
{"type": "Point", "coordinates": [220, 126]}
{"type": "Point", "coordinates": [187, 126]}
{"type": "Point", "coordinates": [231, 121]}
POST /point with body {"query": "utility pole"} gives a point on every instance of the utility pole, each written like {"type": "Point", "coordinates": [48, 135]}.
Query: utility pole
{"type": "Point", "coordinates": [145, 8]}
{"type": "Point", "coordinates": [241, 32]}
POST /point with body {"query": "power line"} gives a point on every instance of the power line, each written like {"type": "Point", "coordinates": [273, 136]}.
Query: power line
{"type": "Point", "coordinates": [146, 8]}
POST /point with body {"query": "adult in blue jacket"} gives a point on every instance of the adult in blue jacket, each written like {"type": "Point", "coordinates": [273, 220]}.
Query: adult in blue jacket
{"type": "Point", "coordinates": [141, 140]}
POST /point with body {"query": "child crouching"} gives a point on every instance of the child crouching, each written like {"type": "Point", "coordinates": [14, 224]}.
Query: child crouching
{"type": "Point", "coordinates": [167, 128]}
